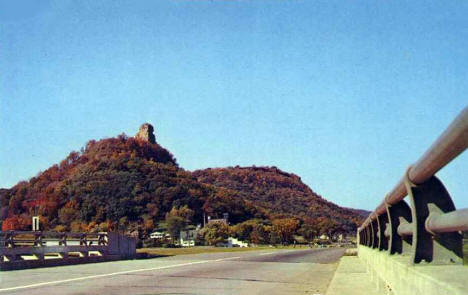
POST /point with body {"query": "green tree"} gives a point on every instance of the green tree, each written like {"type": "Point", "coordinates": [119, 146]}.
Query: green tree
{"type": "Point", "coordinates": [174, 225]}
{"type": "Point", "coordinates": [215, 233]}
{"type": "Point", "coordinates": [308, 231]}
{"type": "Point", "coordinates": [243, 230]}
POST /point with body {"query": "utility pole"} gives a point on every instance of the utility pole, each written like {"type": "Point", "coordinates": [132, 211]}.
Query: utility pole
{"type": "Point", "coordinates": [35, 223]}
{"type": "Point", "coordinates": [35, 220]}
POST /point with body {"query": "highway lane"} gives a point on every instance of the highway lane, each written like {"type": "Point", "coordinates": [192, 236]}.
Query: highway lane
{"type": "Point", "coordinates": [256, 272]}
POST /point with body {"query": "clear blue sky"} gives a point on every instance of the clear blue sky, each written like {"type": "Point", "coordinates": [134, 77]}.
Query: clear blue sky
{"type": "Point", "coordinates": [346, 94]}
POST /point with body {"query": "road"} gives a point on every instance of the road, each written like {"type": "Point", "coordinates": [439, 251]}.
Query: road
{"type": "Point", "coordinates": [254, 272]}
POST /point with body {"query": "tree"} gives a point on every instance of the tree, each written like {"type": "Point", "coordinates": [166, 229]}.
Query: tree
{"type": "Point", "coordinates": [243, 230]}
{"type": "Point", "coordinates": [252, 230]}
{"type": "Point", "coordinates": [68, 213]}
{"type": "Point", "coordinates": [77, 226]}
{"type": "Point", "coordinates": [215, 233]}
{"type": "Point", "coordinates": [260, 234]}
{"type": "Point", "coordinates": [17, 223]}
{"type": "Point", "coordinates": [174, 225]}
{"type": "Point", "coordinates": [149, 225]}
{"type": "Point", "coordinates": [60, 228]}
{"type": "Point", "coordinates": [308, 231]}
{"type": "Point", "coordinates": [184, 212]}
{"type": "Point", "coordinates": [326, 226]}
{"type": "Point", "coordinates": [285, 229]}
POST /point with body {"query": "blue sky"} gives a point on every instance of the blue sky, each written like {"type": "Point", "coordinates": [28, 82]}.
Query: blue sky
{"type": "Point", "coordinates": [344, 94]}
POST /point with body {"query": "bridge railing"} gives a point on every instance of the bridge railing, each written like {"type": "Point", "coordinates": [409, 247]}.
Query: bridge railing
{"type": "Point", "coordinates": [13, 239]}
{"type": "Point", "coordinates": [429, 227]}
{"type": "Point", "coordinates": [25, 249]}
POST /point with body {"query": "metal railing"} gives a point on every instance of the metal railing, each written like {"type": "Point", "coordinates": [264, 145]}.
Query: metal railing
{"type": "Point", "coordinates": [429, 228]}
{"type": "Point", "coordinates": [26, 249]}
{"type": "Point", "coordinates": [13, 239]}
{"type": "Point", "coordinates": [16, 246]}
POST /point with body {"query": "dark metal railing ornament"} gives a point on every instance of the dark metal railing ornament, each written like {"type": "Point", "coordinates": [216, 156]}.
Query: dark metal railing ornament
{"type": "Point", "coordinates": [102, 240]}
{"type": "Point", "coordinates": [9, 240]}
{"type": "Point", "coordinates": [382, 222]}
{"type": "Point", "coordinates": [62, 239]}
{"type": "Point", "coordinates": [375, 236]}
{"type": "Point", "coordinates": [38, 239]}
{"type": "Point", "coordinates": [430, 228]}
{"type": "Point", "coordinates": [83, 240]}
{"type": "Point", "coordinates": [443, 248]}
{"type": "Point", "coordinates": [368, 236]}
{"type": "Point", "coordinates": [396, 243]}
{"type": "Point", "coordinates": [363, 239]}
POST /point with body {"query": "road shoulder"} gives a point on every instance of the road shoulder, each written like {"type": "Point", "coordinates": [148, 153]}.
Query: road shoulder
{"type": "Point", "coordinates": [351, 278]}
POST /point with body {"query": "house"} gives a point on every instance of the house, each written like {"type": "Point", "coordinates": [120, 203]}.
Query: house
{"type": "Point", "coordinates": [324, 237]}
{"type": "Point", "coordinates": [157, 235]}
{"type": "Point", "coordinates": [187, 237]}
{"type": "Point", "coordinates": [233, 242]}
{"type": "Point", "coordinates": [222, 220]}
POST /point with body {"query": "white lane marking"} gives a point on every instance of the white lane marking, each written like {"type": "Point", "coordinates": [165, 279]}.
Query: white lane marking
{"type": "Point", "coordinates": [111, 274]}
{"type": "Point", "coordinates": [222, 259]}
{"type": "Point", "coordinates": [269, 253]}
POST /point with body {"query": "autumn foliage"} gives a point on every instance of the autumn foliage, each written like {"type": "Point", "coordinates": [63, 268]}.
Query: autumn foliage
{"type": "Point", "coordinates": [114, 184]}
{"type": "Point", "coordinates": [131, 185]}
{"type": "Point", "coordinates": [281, 195]}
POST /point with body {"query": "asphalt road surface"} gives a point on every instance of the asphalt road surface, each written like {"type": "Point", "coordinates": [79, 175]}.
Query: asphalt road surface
{"type": "Point", "coordinates": [254, 272]}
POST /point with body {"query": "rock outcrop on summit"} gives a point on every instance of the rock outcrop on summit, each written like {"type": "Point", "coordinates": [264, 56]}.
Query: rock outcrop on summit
{"type": "Point", "coordinates": [145, 133]}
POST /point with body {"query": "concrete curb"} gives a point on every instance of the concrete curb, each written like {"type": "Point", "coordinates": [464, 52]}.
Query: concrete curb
{"type": "Point", "coordinates": [351, 278]}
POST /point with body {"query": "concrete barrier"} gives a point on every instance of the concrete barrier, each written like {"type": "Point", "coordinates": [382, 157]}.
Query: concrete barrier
{"type": "Point", "coordinates": [123, 246]}
{"type": "Point", "coordinates": [20, 251]}
{"type": "Point", "coordinates": [395, 274]}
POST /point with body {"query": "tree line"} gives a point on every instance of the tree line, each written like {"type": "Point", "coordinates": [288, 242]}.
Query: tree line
{"type": "Point", "coordinates": [131, 186]}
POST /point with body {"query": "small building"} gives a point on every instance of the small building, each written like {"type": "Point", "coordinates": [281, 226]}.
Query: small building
{"type": "Point", "coordinates": [225, 219]}
{"type": "Point", "coordinates": [157, 235]}
{"type": "Point", "coordinates": [324, 237]}
{"type": "Point", "coordinates": [187, 237]}
{"type": "Point", "coordinates": [233, 242]}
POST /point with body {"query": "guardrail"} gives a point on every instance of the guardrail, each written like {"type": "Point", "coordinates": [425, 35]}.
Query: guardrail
{"type": "Point", "coordinates": [428, 229]}
{"type": "Point", "coordinates": [12, 239]}
{"type": "Point", "coordinates": [28, 249]}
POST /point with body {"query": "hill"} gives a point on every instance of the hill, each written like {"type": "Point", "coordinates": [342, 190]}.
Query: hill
{"type": "Point", "coordinates": [279, 195]}
{"type": "Point", "coordinates": [116, 183]}
{"type": "Point", "coordinates": [360, 212]}
{"type": "Point", "coordinates": [132, 184]}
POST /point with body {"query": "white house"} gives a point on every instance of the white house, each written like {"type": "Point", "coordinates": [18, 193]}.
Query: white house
{"type": "Point", "coordinates": [233, 242]}
{"type": "Point", "coordinates": [324, 237]}
{"type": "Point", "coordinates": [157, 235]}
{"type": "Point", "coordinates": [187, 237]}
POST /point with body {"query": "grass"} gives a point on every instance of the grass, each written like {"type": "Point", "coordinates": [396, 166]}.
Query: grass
{"type": "Point", "coordinates": [207, 249]}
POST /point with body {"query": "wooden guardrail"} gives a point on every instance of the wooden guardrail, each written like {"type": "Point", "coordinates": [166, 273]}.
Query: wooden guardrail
{"type": "Point", "coordinates": [429, 227]}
